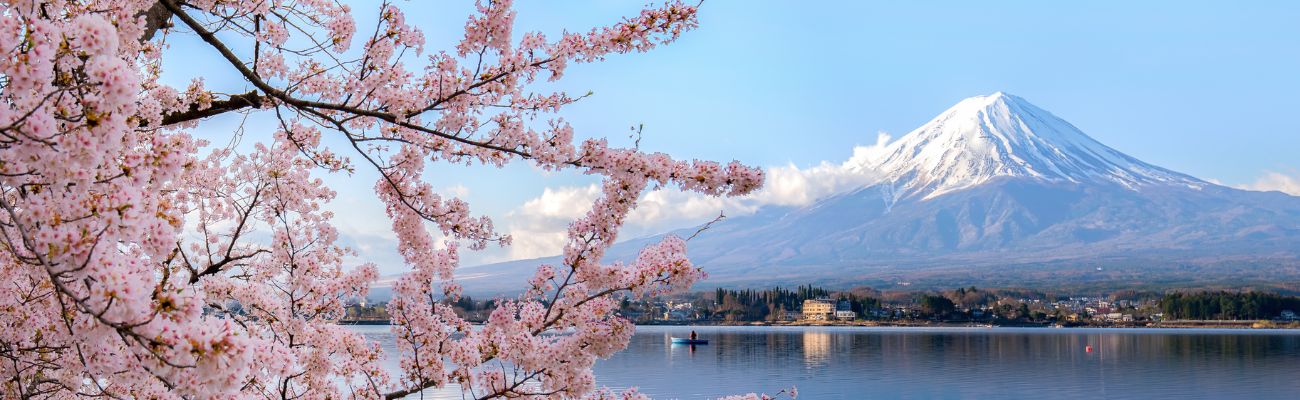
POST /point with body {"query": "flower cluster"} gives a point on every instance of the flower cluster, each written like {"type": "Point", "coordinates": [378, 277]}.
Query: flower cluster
{"type": "Point", "coordinates": [148, 264]}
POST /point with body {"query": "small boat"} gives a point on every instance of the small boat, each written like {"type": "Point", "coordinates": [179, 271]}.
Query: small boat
{"type": "Point", "coordinates": [682, 340]}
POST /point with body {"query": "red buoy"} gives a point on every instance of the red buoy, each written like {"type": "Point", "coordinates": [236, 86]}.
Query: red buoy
{"type": "Point", "coordinates": [1087, 349]}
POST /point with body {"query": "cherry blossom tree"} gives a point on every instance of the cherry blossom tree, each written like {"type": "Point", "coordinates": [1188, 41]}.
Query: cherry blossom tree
{"type": "Point", "coordinates": [142, 263]}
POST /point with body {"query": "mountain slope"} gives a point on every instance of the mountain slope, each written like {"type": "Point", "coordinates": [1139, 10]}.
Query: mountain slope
{"type": "Point", "coordinates": [1000, 135]}
{"type": "Point", "coordinates": [991, 182]}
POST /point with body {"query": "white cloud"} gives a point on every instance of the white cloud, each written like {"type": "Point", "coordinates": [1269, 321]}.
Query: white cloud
{"type": "Point", "coordinates": [565, 203]}
{"type": "Point", "coordinates": [863, 154]}
{"type": "Point", "coordinates": [793, 186]}
{"type": "Point", "coordinates": [538, 226]}
{"type": "Point", "coordinates": [457, 190]}
{"type": "Point", "coordinates": [1275, 181]}
{"type": "Point", "coordinates": [662, 210]}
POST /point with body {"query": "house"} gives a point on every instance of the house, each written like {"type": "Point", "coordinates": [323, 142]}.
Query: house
{"type": "Point", "coordinates": [844, 311]}
{"type": "Point", "coordinates": [676, 315]}
{"type": "Point", "coordinates": [818, 309]}
{"type": "Point", "coordinates": [1288, 315]}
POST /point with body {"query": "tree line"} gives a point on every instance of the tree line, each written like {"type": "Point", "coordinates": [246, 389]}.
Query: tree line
{"type": "Point", "coordinates": [777, 303]}
{"type": "Point", "coordinates": [1226, 305]}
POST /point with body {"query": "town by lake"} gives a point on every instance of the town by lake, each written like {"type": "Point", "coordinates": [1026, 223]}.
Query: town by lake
{"type": "Point", "coordinates": [962, 363]}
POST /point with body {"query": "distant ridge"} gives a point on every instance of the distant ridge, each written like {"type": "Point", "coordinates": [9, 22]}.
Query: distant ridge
{"type": "Point", "coordinates": [991, 183]}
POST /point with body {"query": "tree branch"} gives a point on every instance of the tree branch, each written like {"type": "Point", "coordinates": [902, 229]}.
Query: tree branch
{"type": "Point", "coordinates": [286, 98]}
{"type": "Point", "coordinates": [235, 102]}
{"type": "Point", "coordinates": [155, 18]}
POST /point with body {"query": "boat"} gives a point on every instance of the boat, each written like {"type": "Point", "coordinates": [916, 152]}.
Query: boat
{"type": "Point", "coordinates": [682, 340]}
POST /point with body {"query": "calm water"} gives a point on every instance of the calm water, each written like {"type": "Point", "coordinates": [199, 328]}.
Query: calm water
{"type": "Point", "coordinates": [954, 363]}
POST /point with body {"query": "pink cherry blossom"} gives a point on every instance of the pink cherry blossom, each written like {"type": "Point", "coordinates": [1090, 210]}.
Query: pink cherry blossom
{"type": "Point", "coordinates": [147, 264]}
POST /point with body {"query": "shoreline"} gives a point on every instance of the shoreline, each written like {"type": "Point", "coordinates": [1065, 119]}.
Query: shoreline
{"type": "Point", "coordinates": [1180, 324]}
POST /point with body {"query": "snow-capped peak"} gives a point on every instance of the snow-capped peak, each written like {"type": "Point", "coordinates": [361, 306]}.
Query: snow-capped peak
{"type": "Point", "coordinates": [1001, 135]}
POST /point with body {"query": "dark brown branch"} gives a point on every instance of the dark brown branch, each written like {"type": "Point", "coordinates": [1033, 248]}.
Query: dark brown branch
{"type": "Point", "coordinates": [220, 265]}
{"type": "Point", "coordinates": [217, 267]}
{"type": "Point", "coordinates": [155, 18]}
{"type": "Point", "coordinates": [236, 102]}
{"type": "Point", "coordinates": [286, 98]}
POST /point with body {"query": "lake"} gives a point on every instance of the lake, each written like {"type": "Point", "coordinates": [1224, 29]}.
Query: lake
{"type": "Point", "coordinates": [952, 363]}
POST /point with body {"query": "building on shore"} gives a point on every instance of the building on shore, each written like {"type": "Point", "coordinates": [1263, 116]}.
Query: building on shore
{"type": "Point", "coordinates": [1114, 316]}
{"type": "Point", "coordinates": [676, 315]}
{"type": "Point", "coordinates": [818, 309]}
{"type": "Point", "coordinates": [844, 311]}
{"type": "Point", "coordinates": [1288, 315]}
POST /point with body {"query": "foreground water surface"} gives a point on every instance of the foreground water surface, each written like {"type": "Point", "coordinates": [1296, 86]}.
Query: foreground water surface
{"type": "Point", "coordinates": [953, 363]}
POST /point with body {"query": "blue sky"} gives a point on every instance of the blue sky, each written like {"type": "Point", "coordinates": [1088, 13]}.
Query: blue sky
{"type": "Point", "coordinates": [1205, 88]}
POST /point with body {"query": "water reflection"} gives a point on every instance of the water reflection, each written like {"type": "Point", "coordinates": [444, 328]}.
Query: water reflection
{"type": "Point", "coordinates": [854, 363]}
{"type": "Point", "coordinates": [816, 347]}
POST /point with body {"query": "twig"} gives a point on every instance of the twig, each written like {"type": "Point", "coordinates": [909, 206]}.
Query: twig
{"type": "Point", "coordinates": [721, 216]}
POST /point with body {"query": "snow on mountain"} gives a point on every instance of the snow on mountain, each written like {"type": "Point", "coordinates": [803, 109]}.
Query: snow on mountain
{"type": "Point", "coordinates": [990, 183]}
{"type": "Point", "coordinates": [1001, 135]}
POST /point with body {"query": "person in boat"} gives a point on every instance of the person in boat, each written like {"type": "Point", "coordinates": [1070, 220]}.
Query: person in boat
{"type": "Point", "coordinates": [693, 335]}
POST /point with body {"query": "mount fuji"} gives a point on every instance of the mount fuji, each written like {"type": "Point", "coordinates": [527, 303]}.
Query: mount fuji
{"type": "Point", "coordinates": [997, 191]}
{"type": "Point", "coordinates": [1003, 136]}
